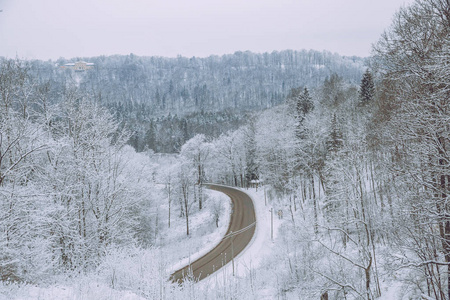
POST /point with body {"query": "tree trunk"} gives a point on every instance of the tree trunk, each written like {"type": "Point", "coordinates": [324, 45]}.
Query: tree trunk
{"type": "Point", "coordinates": [186, 207]}
{"type": "Point", "coordinates": [199, 183]}
{"type": "Point", "coordinates": [200, 196]}
{"type": "Point", "coordinates": [367, 272]}
{"type": "Point", "coordinates": [170, 201]}
{"type": "Point", "coordinates": [316, 221]}
{"type": "Point", "coordinates": [442, 185]}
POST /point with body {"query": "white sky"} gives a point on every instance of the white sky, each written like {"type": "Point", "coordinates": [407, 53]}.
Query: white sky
{"type": "Point", "coordinates": [49, 29]}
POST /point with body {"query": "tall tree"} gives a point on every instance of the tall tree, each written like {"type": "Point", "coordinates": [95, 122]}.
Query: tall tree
{"type": "Point", "coordinates": [22, 209]}
{"type": "Point", "coordinates": [252, 168]}
{"type": "Point", "coordinates": [367, 89]}
{"type": "Point", "coordinates": [196, 152]}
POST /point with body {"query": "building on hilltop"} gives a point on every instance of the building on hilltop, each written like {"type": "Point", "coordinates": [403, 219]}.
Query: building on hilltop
{"type": "Point", "coordinates": [79, 66]}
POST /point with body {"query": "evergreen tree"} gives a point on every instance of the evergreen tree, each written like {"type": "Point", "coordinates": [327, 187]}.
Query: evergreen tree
{"type": "Point", "coordinates": [303, 103]}
{"type": "Point", "coordinates": [184, 128]}
{"type": "Point", "coordinates": [367, 89]}
{"type": "Point", "coordinates": [150, 136]}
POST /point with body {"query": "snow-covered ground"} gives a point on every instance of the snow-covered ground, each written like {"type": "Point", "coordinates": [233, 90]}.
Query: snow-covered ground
{"type": "Point", "coordinates": [199, 245]}
{"type": "Point", "coordinates": [177, 248]}
{"type": "Point", "coordinates": [85, 290]}
{"type": "Point", "coordinates": [259, 248]}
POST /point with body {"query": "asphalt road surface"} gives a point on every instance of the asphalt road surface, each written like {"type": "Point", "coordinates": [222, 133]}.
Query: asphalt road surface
{"type": "Point", "coordinates": [243, 216]}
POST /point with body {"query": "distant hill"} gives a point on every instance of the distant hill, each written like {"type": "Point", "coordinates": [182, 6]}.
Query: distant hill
{"type": "Point", "coordinates": [243, 80]}
{"type": "Point", "coordinates": [202, 95]}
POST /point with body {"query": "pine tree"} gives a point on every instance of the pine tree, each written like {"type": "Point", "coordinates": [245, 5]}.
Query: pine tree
{"type": "Point", "coordinates": [367, 89]}
{"type": "Point", "coordinates": [303, 105]}
{"type": "Point", "coordinates": [150, 136]}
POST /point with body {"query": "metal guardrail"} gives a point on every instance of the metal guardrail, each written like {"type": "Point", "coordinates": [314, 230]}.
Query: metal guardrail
{"type": "Point", "coordinates": [239, 231]}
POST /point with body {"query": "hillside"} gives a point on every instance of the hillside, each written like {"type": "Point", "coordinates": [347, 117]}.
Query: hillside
{"type": "Point", "coordinates": [166, 101]}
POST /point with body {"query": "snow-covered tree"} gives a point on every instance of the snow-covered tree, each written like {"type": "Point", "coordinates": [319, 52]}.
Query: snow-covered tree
{"type": "Point", "coordinates": [196, 152]}
{"type": "Point", "coordinates": [413, 61]}
{"type": "Point", "coordinates": [229, 158]}
{"type": "Point", "coordinates": [367, 89]}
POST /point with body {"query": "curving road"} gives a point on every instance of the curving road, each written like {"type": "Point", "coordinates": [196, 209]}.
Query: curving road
{"type": "Point", "coordinates": [243, 216]}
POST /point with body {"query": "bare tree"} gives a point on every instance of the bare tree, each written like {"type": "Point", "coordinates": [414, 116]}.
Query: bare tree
{"type": "Point", "coordinates": [196, 151]}
{"type": "Point", "coordinates": [413, 58]}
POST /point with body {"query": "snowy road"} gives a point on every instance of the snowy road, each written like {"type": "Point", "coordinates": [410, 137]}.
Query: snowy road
{"type": "Point", "coordinates": [242, 219]}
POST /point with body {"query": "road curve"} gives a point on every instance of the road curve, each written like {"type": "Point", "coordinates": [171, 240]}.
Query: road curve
{"type": "Point", "coordinates": [243, 215]}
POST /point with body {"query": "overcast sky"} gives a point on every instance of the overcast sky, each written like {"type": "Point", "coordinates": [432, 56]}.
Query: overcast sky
{"type": "Point", "coordinates": [49, 29]}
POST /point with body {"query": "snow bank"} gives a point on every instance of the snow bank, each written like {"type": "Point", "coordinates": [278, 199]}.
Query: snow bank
{"type": "Point", "coordinates": [83, 289]}
{"type": "Point", "coordinates": [205, 243]}
{"type": "Point", "coordinates": [260, 247]}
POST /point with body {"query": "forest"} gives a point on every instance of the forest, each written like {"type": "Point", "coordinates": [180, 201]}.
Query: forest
{"type": "Point", "coordinates": [164, 102]}
{"type": "Point", "coordinates": [102, 173]}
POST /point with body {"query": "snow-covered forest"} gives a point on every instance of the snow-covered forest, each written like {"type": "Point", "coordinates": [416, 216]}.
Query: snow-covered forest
{"type": "Point", "coordinates": [164, 102]}
{"type": "Point", "coordinates": [95, 205]}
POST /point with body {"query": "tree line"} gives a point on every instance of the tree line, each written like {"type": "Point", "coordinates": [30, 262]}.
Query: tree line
{"type": "Point", "coordinates": [180, 97]}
